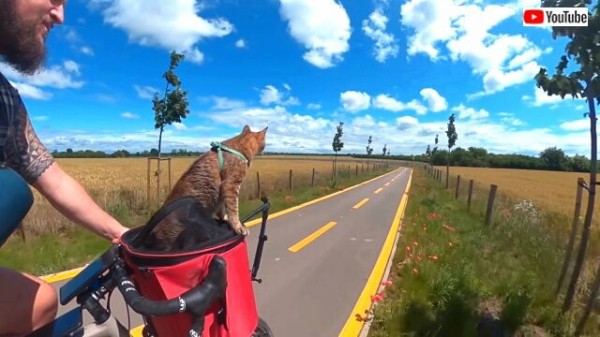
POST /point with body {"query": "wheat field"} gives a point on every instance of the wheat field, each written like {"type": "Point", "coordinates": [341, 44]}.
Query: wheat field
{"type": "Point", "coordinates": [122, 183]}
{"type": "Point", "coordinates": [550, 190]}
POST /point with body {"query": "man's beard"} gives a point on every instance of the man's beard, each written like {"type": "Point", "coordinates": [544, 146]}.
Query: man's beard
{"type": "Point", "coordinates": [19, 41]}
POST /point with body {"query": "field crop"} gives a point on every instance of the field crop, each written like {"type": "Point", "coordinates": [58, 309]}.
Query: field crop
{"type": "Point", "coordinates": [550, 190]}
{"type": "Point", "coordinates": [120, 185]}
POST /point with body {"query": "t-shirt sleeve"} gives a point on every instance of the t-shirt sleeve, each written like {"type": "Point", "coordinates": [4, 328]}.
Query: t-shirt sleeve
{"type": "Point", "coordinates": [24, 152]}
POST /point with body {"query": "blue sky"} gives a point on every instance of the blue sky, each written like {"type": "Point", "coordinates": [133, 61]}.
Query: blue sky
{"type": "Point", "coordinates": [392, 69]}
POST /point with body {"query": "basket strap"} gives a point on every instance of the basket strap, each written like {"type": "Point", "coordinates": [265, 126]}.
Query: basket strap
{"type": "Point", "coordinates": [160, 215]}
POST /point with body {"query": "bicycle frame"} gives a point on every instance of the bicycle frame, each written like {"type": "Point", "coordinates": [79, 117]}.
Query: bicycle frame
{"type": "Point", "coordinates": [98, 279]}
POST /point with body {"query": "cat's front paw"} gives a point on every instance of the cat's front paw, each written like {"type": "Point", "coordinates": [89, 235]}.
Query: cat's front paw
{"type": "Point", "coordinates": [241, 229]}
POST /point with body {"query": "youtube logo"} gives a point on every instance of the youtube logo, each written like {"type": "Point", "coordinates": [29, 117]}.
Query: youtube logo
{"type": "Point", "coordinates": [556, 17]}
{"type": "Point", "coordinates": [533, 16]}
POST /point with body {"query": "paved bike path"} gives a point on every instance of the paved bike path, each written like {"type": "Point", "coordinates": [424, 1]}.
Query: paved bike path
{"type": "Point", "coordinates": [317, 259]}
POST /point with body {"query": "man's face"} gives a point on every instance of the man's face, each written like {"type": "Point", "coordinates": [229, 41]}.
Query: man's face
{"type": "Point", "coordinates": [24, 26]}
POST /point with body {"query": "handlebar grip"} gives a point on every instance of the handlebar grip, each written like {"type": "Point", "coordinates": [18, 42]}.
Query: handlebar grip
{"type": "Point", "coordinates": [196, 300]}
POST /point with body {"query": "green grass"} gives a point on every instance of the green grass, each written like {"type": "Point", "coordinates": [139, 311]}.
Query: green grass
{"type": "Point", "coordinates": [72, 248]}
{"type": "Point", "coordinates": [448, 264]}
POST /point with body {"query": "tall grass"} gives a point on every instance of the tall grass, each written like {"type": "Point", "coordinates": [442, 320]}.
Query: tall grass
{"type": "Point", "coordinates": [455, 276]}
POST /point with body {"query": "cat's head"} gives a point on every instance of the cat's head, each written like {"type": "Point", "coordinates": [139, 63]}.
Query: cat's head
{"type": "Point", "coordinates": [250, 143]}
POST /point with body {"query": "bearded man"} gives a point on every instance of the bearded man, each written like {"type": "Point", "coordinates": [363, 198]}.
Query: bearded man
{"type": "Point", "coordinates": [27, 302]}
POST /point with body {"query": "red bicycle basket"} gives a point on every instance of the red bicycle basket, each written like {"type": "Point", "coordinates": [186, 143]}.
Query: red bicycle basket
{"type": "Point", "coordinates": [163, 276]}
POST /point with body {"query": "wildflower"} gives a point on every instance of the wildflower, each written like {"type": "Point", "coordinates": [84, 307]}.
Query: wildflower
{"type": "Point", "coordinates": [359, 318]}
{"type": "Point", "coordinates": [415, 271]}
{"type": "Point", "coordinates": [433, 257]}
{"type": "Point", "coordinates": [450, 244]}
{"type": "Point", "coordinates": [415, 243]}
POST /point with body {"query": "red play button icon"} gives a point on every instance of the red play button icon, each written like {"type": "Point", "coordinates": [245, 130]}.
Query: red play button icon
{"type": "Point", "coordinates": [533, 16]}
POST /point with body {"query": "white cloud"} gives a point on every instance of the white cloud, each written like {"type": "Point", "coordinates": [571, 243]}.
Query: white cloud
{"type": "Point", "coordinates": [87, 51]}
{"type": "Point", "coordinates": [322, 27]}
{"type": "Point", "coordinates": [386, 102]}
{"type": "Point", "coordinates": [179, 126]}
{"type": "Point", "coordinates": [129, 115]}
{"type": "Point", "coordinates": [145, 92]}
{"type": "Point", "coordinates": [224, 103]}
{"type": "Point", "coordinates": [435, 101]}
{"type": "Point", "coordinates": [374, 27]}
{"type": "Point", "coordinates": [354, 101]}
{"type": "Point", "coordinates": [576, 125]}
{"type": "Point", "coordinates": [541, 98]}
{"type": "Point", "coordinates": [181, 28]}
{"type": "Point", "coordinates": [406, 122]}
{"type": "Point", "coordinates": [241, 43]}
{"type": "Point", "coordinates": [464, 29]}
{"type": "Point", "coordinates": [470, 113]}
{"type": "Point", "coordinates": [29, 91]}
{"type": "Point", "coordinates": [510, 119]}
{"type": "Point", "coordinates": [72, 67]}
{"type": "Point", "coordinates": [313, 106]}
{"type": "Point", "coordinates": [271, 95]}
{"type": "Point", "coordinates": [57, 77]}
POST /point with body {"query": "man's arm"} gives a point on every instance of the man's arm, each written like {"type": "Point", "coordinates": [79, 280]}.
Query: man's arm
{"type": "Point", "coordinates": [69, 197]}
{"type": "Point", "coordinates": [28, 156]}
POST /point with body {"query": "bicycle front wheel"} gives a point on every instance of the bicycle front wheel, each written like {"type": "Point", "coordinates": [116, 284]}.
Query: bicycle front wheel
{"type": "Point", "coordinates": [263, 329]}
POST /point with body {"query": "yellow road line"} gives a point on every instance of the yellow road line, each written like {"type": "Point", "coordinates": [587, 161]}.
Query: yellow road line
{"type": "Point", "coordinates": [295, 208]}
{"type": "Point", "coordinates": [61, 276]}
{"type": "Point", "coordinates": [387, 184]}
{"type": "Point", "coordinates": [312, 237]}
{"type": "Point", "coordinates": [361, 203]}
{"type": "Point", "coordinates": [378, 190]}
{"type": "Point", "coordinates": [353, 327]}
{"type": "Point", "coordinates": [137, 331]}
{"type": "Point", "coordinates": [68, 274]}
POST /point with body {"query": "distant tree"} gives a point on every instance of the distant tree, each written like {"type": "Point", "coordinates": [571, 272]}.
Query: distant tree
{"type": "Point", "coordinates": [452, 137]}
{"type": "Point", "coordinates": [388, 152]}
{"type": "Point", "coordinates": [582, 48]}
{"type": "Point", "coordinates": [337, 145]}
{"type": "Point", "coordinates": [435, 145]}
{"type": "Point", "coordinates": [384, 149]}
{"type": "Point", "coordinates": [554, 159]}
{"type": "Point", "coordinates": [579, 163]}
{"type": "Point", "coordinates": [428, 151]}
{"type": "Point", "coordinates": [369, 148]}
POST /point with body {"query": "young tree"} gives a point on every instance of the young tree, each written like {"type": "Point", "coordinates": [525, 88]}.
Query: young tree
{"type": "Point", "coordinates": [337, 145]}
{"type": "Point", "coordinates": [583, 48]}
{"type": "Point", "coordinates": [173, 107]}
{"type": "Point", "coordinates": [452, 137]}
{"type": "Point", "coordinates": [369, 148]}
{"type": "Point", "coordinates": [384, 149]}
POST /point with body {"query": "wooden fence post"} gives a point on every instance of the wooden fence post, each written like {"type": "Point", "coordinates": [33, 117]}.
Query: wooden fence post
{"type": "Point", "coordinates": [490, 205]}
{"type": "Point", "coordinates": [574, 228]}
{"type": "Point", "coordinates": [291, 181]}
{"type": "Point", "coordinates": [357, 170]}
{"type": "Point", "coordinates": [312, 184]}
{"type": "Point", "coordinates": [470, 195]}
{"type": "Point", "coordinates": [457, 187]}
{"type": "Point", "coordinates": [257, 185]}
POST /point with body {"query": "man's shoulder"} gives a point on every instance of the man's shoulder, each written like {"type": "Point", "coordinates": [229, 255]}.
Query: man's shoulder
{"type": "Point", "coordinates": [5, 84]}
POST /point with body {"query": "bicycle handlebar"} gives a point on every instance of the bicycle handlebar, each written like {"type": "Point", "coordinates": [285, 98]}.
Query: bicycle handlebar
{"type": "Point", "coordinates": [196, 300]}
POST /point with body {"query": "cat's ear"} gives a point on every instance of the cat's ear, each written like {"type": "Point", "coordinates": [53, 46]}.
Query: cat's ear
{"type": "Point", "coordinates": [264, 130]}
{"type": "Point", "coordinates": [246, 129]}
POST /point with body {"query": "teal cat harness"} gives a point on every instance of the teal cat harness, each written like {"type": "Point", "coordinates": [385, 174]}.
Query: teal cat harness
{"type": "Point", "coordinates": [220, 147]}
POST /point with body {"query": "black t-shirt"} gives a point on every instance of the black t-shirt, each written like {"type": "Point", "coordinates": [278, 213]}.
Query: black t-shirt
{"type": "Point", "coordinates": [20, 148]}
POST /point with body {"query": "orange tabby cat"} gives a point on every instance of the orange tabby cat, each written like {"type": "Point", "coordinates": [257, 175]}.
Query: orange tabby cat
{"type": "Point", "coordinates": [214, 180]}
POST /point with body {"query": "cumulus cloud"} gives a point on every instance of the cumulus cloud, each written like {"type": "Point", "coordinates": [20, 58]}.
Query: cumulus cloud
{"type": "Point", "coordinates": [386, 102]}
{"type": "Point", "coordinates": [576, 125]}
{"type": "Point", "coordinates": [470, 113]}
{"type": "Point", "coordinates": [271, 95]}
{"type": "Point", "coordinates": [406, 122]}
{"type": "Point", "coordinates": [354, 101]}
{"type": "Point", "coordinates": [181, 27]}
{"type": "Point", "coordinates": [129, 115]}
{"type": "Point", "coordinates": [540, 98]}
{"type": "Point", "coordinates": [502, 60]}
{"type": "Point", "coordinates": [322, 27]}
{"type": "Point", "coordinates": [374, 27]}
{"type": "Point", "coordinates": [435, 101]}
{"type": "Point", "coordinates": [145, 92]}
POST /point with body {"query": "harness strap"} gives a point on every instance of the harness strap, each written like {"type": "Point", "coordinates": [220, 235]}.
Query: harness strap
{"type": "Point", "coordinates": [220, 147]}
